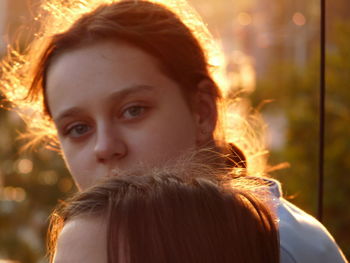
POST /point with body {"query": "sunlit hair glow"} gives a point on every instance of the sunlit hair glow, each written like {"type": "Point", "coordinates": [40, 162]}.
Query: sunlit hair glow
{"type": "Point", "coordinates": [24, 72]}
{"type": "Point", "coordinates": [157, 217]}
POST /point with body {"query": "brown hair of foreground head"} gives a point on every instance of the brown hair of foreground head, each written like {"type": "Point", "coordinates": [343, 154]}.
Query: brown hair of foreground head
{"type": "Point", "coordinates": [164, 218]}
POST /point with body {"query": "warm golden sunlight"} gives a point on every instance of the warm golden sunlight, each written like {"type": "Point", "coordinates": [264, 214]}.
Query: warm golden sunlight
{"type": "Point", "coordinates": [246, 75]}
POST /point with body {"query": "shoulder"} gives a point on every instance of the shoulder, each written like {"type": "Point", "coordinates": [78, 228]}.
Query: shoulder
{"type": "Point", "coordinates": [303, 238]}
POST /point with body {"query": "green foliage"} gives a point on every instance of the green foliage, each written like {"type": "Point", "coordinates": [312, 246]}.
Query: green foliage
{"type": "Point", "coordinates": [295, 91]}
{"type": "Point", "coordinates": [30, 185]}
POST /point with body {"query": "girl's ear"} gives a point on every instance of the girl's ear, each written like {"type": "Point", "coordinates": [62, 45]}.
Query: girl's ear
{"type": "Point", "coordinates": [205, 112]}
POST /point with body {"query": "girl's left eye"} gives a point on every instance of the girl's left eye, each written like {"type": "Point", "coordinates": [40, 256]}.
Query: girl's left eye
{"type": "Point", "coordinates": [133, 112]}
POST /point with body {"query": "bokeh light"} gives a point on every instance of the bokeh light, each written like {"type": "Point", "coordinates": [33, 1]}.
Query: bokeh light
{"type": "Point", "coordinates": [299, 19]}
{"type": "Point", "coordinates": [48, 177]}
{"type": "Point", "coordinates": [24, 166]}
{"type": "Point", "coordinates": [244, 19]}
{"type": "Point", "coordinates": [16, 194]}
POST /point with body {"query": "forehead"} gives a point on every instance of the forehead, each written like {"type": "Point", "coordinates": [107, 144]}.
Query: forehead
{"type": "Point", "coordinates": [82, 240]}
{"type": "Point", "coordinates": [95, 71]}
{"type": "Point", "coordinates": [96, 61]}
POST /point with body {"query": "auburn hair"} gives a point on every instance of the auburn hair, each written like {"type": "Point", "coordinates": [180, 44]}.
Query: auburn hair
{"type": "Point", "coordinates": [149, 26]}
{"type": "Point", "coordinates": [165, 218]}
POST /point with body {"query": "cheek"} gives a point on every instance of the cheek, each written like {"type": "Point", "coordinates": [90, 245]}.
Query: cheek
{"type": "Point", "coordinates": [71, 156]}
{"type": "Point", "coordinates": [163, 140]}
{"type": "Point", "coordinates": [80, 164]}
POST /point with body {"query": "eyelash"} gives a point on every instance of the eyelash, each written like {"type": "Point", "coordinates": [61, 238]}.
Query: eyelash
{"type": "Point", "coordinates": [72, 128]}
{"type": "Point", "coordinates": [127, 109]}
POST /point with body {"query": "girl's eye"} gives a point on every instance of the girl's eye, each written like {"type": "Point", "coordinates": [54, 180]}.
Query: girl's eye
{"type": "Point", "coordinates": [133, 112]}
{"type": "Point", "coordinates": [78, 130]}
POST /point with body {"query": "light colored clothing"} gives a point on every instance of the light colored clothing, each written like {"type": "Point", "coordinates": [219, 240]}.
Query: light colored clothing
{"type": "Point", "coordinates": [303, 239]}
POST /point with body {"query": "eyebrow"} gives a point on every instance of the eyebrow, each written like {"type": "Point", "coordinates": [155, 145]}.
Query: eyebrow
{"type": "Point", "coordinates": [117, 95]}
{"type": "Point", "coordinates": [122, 94]}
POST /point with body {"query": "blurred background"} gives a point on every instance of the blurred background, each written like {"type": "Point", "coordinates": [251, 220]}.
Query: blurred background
{"type": "Point", "coordinates": [272, 51]}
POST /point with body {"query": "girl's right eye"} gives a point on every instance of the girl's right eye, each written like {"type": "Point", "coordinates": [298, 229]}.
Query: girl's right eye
{"type": "Point", "coordinates": [77, 130]}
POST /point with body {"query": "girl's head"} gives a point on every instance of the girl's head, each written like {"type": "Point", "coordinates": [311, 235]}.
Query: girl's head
{"type": "Point", "coordinates": [162, 218]}
{"type": "Point", "coordinates": [126, 82]}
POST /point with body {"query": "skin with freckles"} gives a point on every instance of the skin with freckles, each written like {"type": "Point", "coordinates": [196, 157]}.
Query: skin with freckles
{"type": "Point", "coordinates": [114, 109]}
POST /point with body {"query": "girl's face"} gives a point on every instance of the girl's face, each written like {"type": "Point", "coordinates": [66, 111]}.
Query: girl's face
{"type": "Point", "coordinates": [114, 109]}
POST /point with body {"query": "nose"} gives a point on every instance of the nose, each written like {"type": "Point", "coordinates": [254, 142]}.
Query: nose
{"type": "Point", "coordinates": [109, 145]}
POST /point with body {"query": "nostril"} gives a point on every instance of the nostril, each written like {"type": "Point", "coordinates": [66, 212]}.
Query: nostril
{"type": "Point", "coordinates": [101, 160]}
{"type": "Point", "coordinates": [109, 146]}
{"type": "Point", "coordinates": [101, 155]}
{"type": "Point", "coordinates": [111, 154]}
